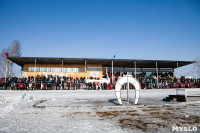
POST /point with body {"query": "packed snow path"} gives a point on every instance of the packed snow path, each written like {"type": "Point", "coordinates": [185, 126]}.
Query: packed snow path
{"type": "Point", "coordinates": [93, 111]}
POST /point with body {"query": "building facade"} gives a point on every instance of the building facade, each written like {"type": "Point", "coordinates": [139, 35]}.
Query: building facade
{"type": "Point", "coordinates": [68, 70]}
{"type": "Point", "coordinates": [91, 67]}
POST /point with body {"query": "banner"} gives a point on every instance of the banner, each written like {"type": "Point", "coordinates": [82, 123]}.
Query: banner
{"type": "Point", "coordinates": [94, 74]}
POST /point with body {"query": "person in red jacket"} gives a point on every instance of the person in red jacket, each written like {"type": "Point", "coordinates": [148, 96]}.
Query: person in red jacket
{"type": "Point", "coordinates": [20, 86]}
{"type": "Point", "coordinates": [111, 86]}
{"type": "Point", "coordinates": [178, 85]}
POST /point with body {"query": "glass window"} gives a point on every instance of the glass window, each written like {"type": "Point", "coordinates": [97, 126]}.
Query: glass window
{"type": "Point", "coordinates": [43, 69]}
{"type": "Point", "coordinates": [66, 70]}
{"type": "Point", "coordinates": [94, 68]}
{"type": "Point", "coordinates": [75, 69]}
{"type": "Point", "coordinates": [37, 69]}
{"type": "Point", "coordinates": [55, 69]}
{"type": "Point", "coordinates": [69, 70]}
{"type": "Point", "coordinates": [72, 69]}
{"type": "Point", "coordinates": [48, 69]}
{"type": "Point", "coordinates": [31, 69]}
{"type": "Point", "coordinates": [80, 70]}
{"type": "Point", "coordinates": [52, 69]}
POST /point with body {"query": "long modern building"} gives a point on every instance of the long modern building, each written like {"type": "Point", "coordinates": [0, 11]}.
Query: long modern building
{"type": "Point", "coordinates": [91, 67]}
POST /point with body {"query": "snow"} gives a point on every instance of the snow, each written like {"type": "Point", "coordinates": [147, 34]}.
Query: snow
{"type": "Point", "coordinates": [10, 103]}
{"type": "Point", "coordinates": [93, 111]}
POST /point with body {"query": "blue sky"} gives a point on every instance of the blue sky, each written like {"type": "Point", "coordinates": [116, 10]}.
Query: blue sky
{"type": "Point", "coordinates": [130, 29]}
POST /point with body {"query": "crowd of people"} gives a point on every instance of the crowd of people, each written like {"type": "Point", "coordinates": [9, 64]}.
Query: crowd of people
{"type": "Point", "coordinates": [165, 81]}
{"type": "Point", "coordinates": [50, 83]}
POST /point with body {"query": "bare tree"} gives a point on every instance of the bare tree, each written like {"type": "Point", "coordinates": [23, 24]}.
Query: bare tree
{"type": "Point", "coordinates": [2, 63]}
{"type": "Point", "coordinates": [14, 50]}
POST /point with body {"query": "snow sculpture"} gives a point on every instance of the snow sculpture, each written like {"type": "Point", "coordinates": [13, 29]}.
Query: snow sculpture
{"type": "Point", "coordinates": [124, 80]}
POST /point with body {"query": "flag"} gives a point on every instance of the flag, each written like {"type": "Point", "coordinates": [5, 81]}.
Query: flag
{"type": "Point", "coordinates": [6, 54]}
{"type": "Point", "coordinates": [114, 57]}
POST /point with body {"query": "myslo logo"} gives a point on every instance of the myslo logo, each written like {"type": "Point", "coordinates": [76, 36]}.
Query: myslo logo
{"type": "Point", "coordinates": [176, 128]}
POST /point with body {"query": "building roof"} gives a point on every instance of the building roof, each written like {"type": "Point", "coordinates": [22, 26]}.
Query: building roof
{"type": "Point", "coordinates": [126, 63]}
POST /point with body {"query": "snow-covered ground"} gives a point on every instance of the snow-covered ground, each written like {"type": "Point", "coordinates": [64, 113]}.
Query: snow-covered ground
{"type": "Point", "coordinates": [93, 111]}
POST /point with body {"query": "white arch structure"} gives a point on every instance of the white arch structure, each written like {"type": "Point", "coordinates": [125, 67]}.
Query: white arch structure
{"type": "Point", "coordinates": [124, 80]}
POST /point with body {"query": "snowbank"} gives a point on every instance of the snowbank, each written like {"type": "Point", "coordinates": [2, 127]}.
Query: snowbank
{"type": "Point", "coordinates": [9, 104]}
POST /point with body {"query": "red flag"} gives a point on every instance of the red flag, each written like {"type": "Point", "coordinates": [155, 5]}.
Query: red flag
{"type": "Point", "coordinates": [6, 54]}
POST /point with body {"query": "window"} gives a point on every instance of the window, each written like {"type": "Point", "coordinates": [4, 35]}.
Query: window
{"type": "Point", "coordinates": [94, 69]}
{"type": "Point", "coordinates": [75, 70]}
{"type": "Point", "coordinates": [55, 69]}
{"type": "Point", "coordinates": [72, 69]}
{"type": "Point", "coordinates": [31, 69]}
{"type": "Point", "coordinates": [43, 69]}
{"type": "Point", "coordinates": [48, 69]}
{"type": "Point", "coordinates": [80, 70]}
{"type": "Point", "coordinates": [67, 69]}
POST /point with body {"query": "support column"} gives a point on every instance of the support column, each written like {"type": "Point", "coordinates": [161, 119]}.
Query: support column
{"type": "Point", "coordinates": [177, 71]}
{"type": "Point", "coordinates": [107, 71]}
{"type": "Point", "coordinates": [135, 69]}
{"type": "Point", "coordinates": [9, 69]}
{"type": "Point", "coordinates": [195, 71]}
{"type": "Point", "coordinates": [85, 70]}
{"type": "Point", "coordinates": [62, 66]}
{"type": "Point", "coordinates": [157, 74]}
{"type": "Point", "coordinates": [34, 70]}
{"type": "Point", "coordinates": [112, 72]}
